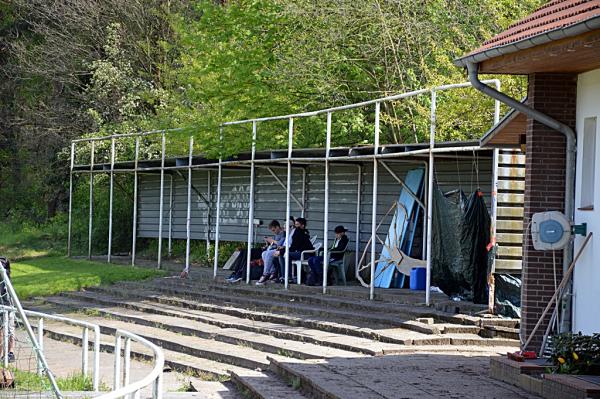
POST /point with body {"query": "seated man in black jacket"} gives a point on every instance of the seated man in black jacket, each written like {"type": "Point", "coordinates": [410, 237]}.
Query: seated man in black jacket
{"type": "Point", "coordinates": [300, 242]}
{"type": "Point", "coordinates": [316, 262]}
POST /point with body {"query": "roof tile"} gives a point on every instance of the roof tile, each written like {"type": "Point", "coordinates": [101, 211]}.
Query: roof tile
{"type": "Point", "coordinates": [557, 14]}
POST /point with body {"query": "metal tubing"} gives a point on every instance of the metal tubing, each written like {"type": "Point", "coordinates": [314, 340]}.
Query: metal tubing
{"type": "Point", "coordinates": [170, 240]}
{"type": "Point", "coordinates": [69, 228]}
{"type": "Point", "coordinates": [117, 367]}
{"type": "Point", "coordinates": [303, 206]}
{"type": "Point", "coordinates": [374, 205]}
{"type": "Point", "coordinates": [282, 184]}
{"type": "Point", "coordinates": [91, 217]}
{"type": "Point", "coordinates": [326, 205]}
{"type": "Point", "coordinates": [110, 198]}
{"type": "Point", "coordinates": [85, 343]}
{"type": "Point", "coordinates": [219, 178]}
{"type": "Point", "coordinates": [96, 374]}
{"type": "Point", "coordinates": [161, 201]}
{"type": "Point", "coordinates": [208, 210]}
{"type": "Point", "coordinates": [287, 203]}
{"type": "Point", "coordinates": [21, 314]}
{"type": "Point", "coordinates": [188, 219]}
{"type": "Point", "coordinates": [430, 198]}
{"type": "Point", "coordinates": [570, 161]}
{"type": "Point", "coordinates": [135, 200]}
{"type": "Point", "coordinates": [40, 331]}
{"type": "Point", "coordinates": [5, 338]}
{"type": "Point", "coordinates": [358, 204]}
{"type": "Point", "coordinates": [126, 361]}
{"type": "Point", "coordinates": [251, 205]}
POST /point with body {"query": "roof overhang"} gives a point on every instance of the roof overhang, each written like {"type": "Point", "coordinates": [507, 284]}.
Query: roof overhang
{"type": "Point", "coordinates": [508, 133]}
{"type": "Point", "coordinates": [574, 49]}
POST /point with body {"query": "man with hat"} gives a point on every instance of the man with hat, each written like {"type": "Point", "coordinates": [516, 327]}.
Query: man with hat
{"type": "Point", "coordinates": [316, 262]}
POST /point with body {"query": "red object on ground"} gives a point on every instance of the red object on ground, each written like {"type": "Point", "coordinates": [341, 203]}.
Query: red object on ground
{"type": "Point", "coordinates": [521, 356]}
{"type": "Point", "coordinates": [529, 355]}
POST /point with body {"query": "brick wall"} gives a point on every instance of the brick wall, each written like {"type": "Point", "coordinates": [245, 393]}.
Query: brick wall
{"type": "Point", "coordinates": [555, 95]}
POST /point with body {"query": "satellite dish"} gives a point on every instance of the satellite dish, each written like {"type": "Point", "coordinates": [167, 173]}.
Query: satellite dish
{"type": "Point", "coordinates": [550, 230]}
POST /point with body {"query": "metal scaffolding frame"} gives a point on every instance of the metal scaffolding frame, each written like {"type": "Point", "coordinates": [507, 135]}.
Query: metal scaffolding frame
{"type": "Point", "coordinates": [376, 157]}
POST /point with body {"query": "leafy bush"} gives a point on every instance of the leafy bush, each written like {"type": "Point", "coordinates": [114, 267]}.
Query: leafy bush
{"type": "Point", "coordinates": [577, 354]}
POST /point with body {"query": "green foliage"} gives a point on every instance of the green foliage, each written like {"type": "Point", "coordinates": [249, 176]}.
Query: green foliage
{"type": "Point", "coordinates": [576, 353]}
{"type": "Point", "coordinates": [73, 383]}
{"type": "Point", "coordinates": [21, 239]}
{"type": "Point", "coordinates": [50, 275]}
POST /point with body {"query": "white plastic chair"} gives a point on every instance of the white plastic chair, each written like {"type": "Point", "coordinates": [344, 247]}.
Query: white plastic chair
{"type": "Point", "coordinates": [304, 256]}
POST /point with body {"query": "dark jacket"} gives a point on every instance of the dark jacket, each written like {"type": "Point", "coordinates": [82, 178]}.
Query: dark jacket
{"type": "Point", "coordinates": [300, 241]}
{"type": "Point", "coordinates": [339, 247]}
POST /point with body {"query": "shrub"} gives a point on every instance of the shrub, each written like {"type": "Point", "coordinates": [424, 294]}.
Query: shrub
{"type": "Point", "coordinates": [577, 353]}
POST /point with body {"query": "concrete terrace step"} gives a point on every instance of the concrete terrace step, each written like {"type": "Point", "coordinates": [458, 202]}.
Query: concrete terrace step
{"type": "Point", "coordinates": [222, 352]}
{"type": "Point", "coordinates": [401, 311]}
{"type": "Point", "coordinates": [203, 368]}
{"type": "Point", "coordinates": [316, 381]}
{"type": "Point", "coordinates": [394, 317]}
{"type": "Point", "coordinates": [407, 333]}
{"type": "Point", "coordinates": [264, 385]}
{"type": "Point", "coordinates": [284, 331]}
{"type": "Point", "coordinates": [263, 343]}
{"type": "Point", "coordinates": [387, 335]}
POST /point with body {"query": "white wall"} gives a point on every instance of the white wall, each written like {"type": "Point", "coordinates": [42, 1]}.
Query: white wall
{"type": "Point", "coordinates": [587, 271]}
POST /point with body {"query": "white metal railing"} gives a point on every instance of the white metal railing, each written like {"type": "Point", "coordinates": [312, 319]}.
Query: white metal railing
{"type": "Point", "coordinates": [121, 386]}
{"type": "Point", "coordinates": [376, 156]}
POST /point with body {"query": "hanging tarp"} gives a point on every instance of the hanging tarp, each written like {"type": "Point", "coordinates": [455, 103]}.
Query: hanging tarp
{"type": "Point", "coordinates": [507, 300]}
{"type": "Point", "coordinates": [461, 232]}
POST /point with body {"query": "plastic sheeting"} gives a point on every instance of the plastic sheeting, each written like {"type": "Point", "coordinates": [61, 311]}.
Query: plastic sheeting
{"type": "Point", "coordinates": [461, 233]}
{"type": "Point", "coordinates": [508, 295]}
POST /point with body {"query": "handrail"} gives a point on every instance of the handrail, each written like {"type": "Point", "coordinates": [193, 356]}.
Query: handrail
{"type": "Point", "coordinates": [154, 377]}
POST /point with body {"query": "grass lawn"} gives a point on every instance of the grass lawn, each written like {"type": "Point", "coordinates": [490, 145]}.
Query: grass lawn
{"type": "Point", "coordinates": [50, 275]}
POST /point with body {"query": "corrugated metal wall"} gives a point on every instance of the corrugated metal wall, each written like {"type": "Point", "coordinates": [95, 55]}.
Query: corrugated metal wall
{"type": "Point", "coordinates": [270, 197]}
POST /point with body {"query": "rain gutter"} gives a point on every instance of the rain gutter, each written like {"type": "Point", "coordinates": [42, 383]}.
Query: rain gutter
{"type": "Point", "coordinates": [552, 123]}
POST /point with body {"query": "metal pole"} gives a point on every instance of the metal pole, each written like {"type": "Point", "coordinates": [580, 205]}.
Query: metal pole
{"type": "Point", "coordinates": [96, 375]}
{"type": "Point", "coordinates": [326, 206]}
{"type": "Point", "coordinates": [358, 205]}
{"type": "Point", "coordinates": [161, 203]}
{"type": "Point", "coordinates": [110, 198]}
{"type": "Point", "coordinates": [219, 178]}
{"type": "Point", "coordinates": [5, 338]}
{"type": "Point", "coordinates": [135, 200]}
{"type": "Point", "coordinates": [374, 205]}
{"type": "Point", "coordinates": [426, 199]}
{"type": "Point", "coordinates": [40, 366]}
{"type": "Point", "coordinates": [91, 217]}
{"type": "Point", "coordinates": [117, 367]}
{"type": "Point", "coordinates": [188, 221]}
{"type": "Point", "coordinates": [287, 203]}
{"type": "Point", "coordinates": [84, 351]}
{"type": "Point", "coordinates": [126, 361]}
{"type": "Point", "coordinates": [32, 338]}
{"type": "Point", "coordinates": [302, 211]}
{"type": "Point", "coordinates": [70, 199]}
{"type": "Point", "coordinates": [494, 216]}
{"type": "Point", "coordinates": [430, 198]}
{"type": "Point", "coordinates": [251, 205]}
{"type": "Point", "coordinates": [208, 211]}
{"type": "Point", "coordinates": [170, 241]}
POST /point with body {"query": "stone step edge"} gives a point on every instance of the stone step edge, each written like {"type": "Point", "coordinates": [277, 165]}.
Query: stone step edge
{"type": "Point", "coordinates": [291, 320]}
{"type": "Point", "coordinates": [284, 306]}
{"type": "Point", "coordinates": [230, 359]}
{"type": "Point", "coordinates": [318, 300]}
{"type": "Point", "coordinates": [249, 391]}
{"type": "Point", "coordinates": [440, 339]}
{"type": "Point", "coordinates": [249, 328]}
{"type": "Point", "coordinates": [106, 347]}
{"type": "Point", "coordinates": [187, 331]}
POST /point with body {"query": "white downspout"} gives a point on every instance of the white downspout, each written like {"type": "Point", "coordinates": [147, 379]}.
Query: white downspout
{"type": "Point", "coordinates": [552, 123]}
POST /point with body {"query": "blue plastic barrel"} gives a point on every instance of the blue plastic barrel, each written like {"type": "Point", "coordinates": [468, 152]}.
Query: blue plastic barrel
{"type": "Point", "coordinates": [418, 275]}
